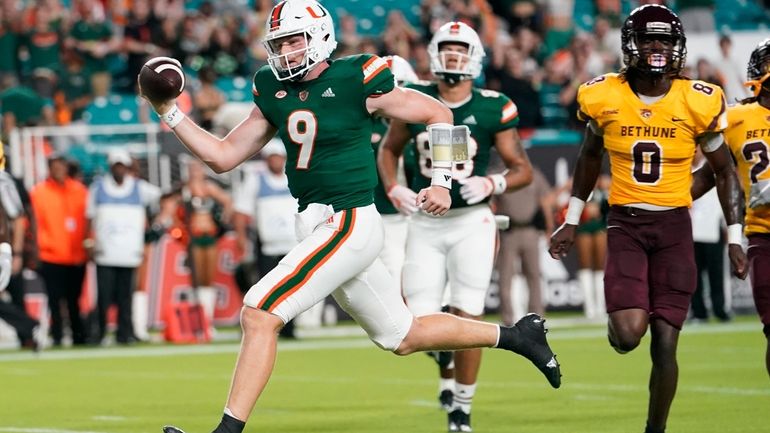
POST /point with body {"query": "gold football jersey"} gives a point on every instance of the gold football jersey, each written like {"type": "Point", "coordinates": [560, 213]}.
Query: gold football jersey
{"type": "Point", "coordinates": [748, 135]}
{"type": "Point", "coordinates": [651, 147]}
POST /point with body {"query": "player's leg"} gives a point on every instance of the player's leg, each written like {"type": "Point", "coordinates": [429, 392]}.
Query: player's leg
{"type": "Point", "coordinates": [625, 281]}
{"type": "Point", "coordinates": [394, 250]}
{"type": "Point", "coordinates": [506, 262]}
{"type": "Point", "coordinates": [424, 271]}
{"type": "Point", "coordinates": [759, 261]}
{"type": "Point", "coordinates": [469, 266]}
{"type": "Point", "coordinates": [424, 283]}
{"type": "Point", "coordinates": [332, 254]}
{"type": "Point", "coordinates": [370, 299]}
{"type": "Point", "coordinates": [448, 332]}
{"type": "Point", "coordinates": [664, 374]}
{"type": "Point", "coordinates": [672, 277]}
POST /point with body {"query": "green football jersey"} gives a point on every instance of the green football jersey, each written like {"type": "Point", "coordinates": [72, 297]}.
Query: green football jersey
{"type": "Point", "coordinates": [486, 113]}
{"type": "Point", "coordinates": [381, 200]}
{"type": "Point", "coordinates": [327, 129]}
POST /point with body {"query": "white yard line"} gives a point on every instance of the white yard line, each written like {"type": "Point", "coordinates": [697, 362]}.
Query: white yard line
{"type": "Point", "coordinates": [41, 430]}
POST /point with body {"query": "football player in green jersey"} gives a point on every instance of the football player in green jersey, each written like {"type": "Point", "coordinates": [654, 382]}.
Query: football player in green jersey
{"type": "Point", "coordinates": [459, 247]}
{"type": "Point", "coordinates": [322, 109]}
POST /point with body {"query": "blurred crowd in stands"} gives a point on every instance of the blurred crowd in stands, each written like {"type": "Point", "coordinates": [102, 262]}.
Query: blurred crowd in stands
{"type": "Point", "coordinates": [59, 56]}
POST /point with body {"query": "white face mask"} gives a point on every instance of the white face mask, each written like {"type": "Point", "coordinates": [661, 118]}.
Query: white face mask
{"type": "Point", "coordinates": [280, 63]}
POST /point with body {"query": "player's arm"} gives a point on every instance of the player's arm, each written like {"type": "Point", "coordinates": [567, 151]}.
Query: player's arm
{"type": "Point", "coordinates": [587, 169]}
{"type": "Point", "coordinates": [518, 173]}
{"type": "Point", "coordinates": [729, 191]}
{"type": "Point", "coordinates": [391, 149]}
{"type": "Point", "coordinates": [702, 181]}
{"type": "Point", "coordinates": [411, 106]}
{"type": "Point", "coordinates": [589, 163]}
{"type": "Point", "coordinates": [221, 154]}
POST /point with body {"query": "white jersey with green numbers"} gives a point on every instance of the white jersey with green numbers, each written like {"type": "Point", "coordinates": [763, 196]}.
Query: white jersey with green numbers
{"type": "Point", "coordinates": [486, 113]}
{"type": "Point", "coordinates": [327, 129]}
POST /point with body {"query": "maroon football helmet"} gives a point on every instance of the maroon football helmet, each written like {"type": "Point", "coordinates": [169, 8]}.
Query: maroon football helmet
{"type": "Point", "coordinates": [654, 22]}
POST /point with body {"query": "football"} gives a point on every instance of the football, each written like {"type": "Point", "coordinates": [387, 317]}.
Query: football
{"type": "Point", "coordinates": [161, 78]}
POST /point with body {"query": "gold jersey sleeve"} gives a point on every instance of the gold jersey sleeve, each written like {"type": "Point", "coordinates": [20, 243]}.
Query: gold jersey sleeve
{"type": "Point", "coordinates": [748, 135]}
{"type": "Point", "coordinates": [651, 146]}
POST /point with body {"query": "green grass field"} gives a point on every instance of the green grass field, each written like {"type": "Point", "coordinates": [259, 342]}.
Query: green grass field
{"type": "Point", "coordinates": [348, 385]}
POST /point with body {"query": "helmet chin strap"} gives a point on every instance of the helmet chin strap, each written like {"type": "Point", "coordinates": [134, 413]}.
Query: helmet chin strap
{"type": "Point", "coordinates": [760, 84]}
{"type": "Point", "coordinates": [453, 78]}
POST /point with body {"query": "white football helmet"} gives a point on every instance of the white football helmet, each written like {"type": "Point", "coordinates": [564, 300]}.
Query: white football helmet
{"type": "Point", "coordinates": [299, 17]}
{"type": "Point", "coordinates": [468, 66]}
{"type": "Point", "coordinates": [402, 70]}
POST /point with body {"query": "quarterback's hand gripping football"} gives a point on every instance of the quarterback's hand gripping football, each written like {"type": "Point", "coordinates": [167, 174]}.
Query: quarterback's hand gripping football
{"type": "Point", "coordinates": [476, 188]}
{"type": "Point", "coordinates": [6, 263]}
{"type": "Point", "coordinates": [738, 261]}
{"type": "Point", "coordinates": [160, 107]}
{"type": "Point", "coordinates": [403, 198]}
{"type": "Point", "coordinates": [562, 240]}
{"type": "Point", "coordinates": [161, 80]}
{"type": "Point", "coordinates": [434, 200]}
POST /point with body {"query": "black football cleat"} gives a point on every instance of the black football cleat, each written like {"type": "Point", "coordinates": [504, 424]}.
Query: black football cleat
{"type": "Point", "coordinates": [446, 398]}
{"type": "Point", "coordinates": [172, 429]}
{"type": "Point", "coordinates": [443, 358]}
{"type": "Point", "coordinates": [459, 421]}
{"type": "Point", "coordinates": [533, 345]}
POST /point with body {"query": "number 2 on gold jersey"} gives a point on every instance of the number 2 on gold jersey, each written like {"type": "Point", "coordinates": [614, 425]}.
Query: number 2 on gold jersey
{"type": "Point", "coordinates": [756, 152]}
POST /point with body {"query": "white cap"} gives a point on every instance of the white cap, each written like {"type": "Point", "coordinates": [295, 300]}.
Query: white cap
{"type": "Point", "coordinates": [274, 147]}
{"type": "Point", "coordinates": [119, 156]}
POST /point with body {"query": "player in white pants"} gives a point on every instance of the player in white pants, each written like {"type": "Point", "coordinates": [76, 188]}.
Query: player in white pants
{"type": "Point", "coordinates": [459, 248]}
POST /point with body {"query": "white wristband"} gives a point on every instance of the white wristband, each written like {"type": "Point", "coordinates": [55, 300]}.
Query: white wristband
{"type": "Point", "coordinates": [172, 117]}
{"type": "Point", "coordinates": [735, 234]}
{"type": "Point", "coordinates": [442, 177]}
{"type": "Point", "coordinates": [574, 211]}
{"type": "Point", "coordinates": [5, 249]}
{"type": "Point", "coordinates": [499, 183]}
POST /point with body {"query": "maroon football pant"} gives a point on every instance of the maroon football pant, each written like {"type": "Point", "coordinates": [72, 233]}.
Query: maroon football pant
{"type": "Point", "coordinates": [759, 260]}
{"type": "Point", "coordinates": [650, 262]}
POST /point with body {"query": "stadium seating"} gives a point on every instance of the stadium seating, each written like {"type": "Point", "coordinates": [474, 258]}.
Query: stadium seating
{"type": "Point", "coordinates": [113, 109]}
{"type": "Point", "coordinates": [236, 89]}
{"type": "Point", "coordinates": [372, 15]}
